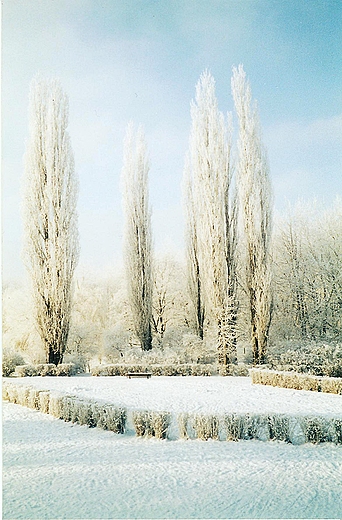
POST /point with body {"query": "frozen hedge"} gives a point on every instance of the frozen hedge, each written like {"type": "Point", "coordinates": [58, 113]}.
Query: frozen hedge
{"type": "Point", "coordinates": [262, 427]}
{"type": "Point", "coordinates": [68, 407]}
{"type": "Point", "coordinates": [151, 424]}
{"type": "Point", "coordinates": [332, 385]}
{"type": "Point", "coordinates": [155, 370]}
{"type": "Point", "coordinates": [206, 427]}
{"type": "Point", "coordinates": [9, 361]}
{"type": "Point", "coordinates": [46, 369]}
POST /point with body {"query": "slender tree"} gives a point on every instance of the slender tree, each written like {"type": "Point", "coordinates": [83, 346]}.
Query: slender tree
{"type": "Point", "coordinates": [137, 235]}
{"type": "Point", "coordinates": [255, 204]}
{"type": "Point", "coordinates": [195, 286]}
{"type": "Point", "coordinates": [215, 215]}
{"type": "Point", "coordinates": [51, 239]}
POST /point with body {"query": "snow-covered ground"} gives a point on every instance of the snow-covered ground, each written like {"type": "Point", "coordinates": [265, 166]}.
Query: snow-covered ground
{"type": "Point", "coordinates": [192, 394]}
{"type": "Point", "coordinates": [53, 469]}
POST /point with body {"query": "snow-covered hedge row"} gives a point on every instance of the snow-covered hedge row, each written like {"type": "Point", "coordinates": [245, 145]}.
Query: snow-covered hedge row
{"type": "Point", "coordinates": [155, 370]}
{"type": "Point", "coordinates": [48, 369]}
{"type": "Point", "coordinates": [68, 407]}
{"type": "Point", "coordinates": [331, 385]}
{"type": "Point", "coordinates": [280, 427]}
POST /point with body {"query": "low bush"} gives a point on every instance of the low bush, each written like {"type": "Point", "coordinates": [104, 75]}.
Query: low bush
{"type": "Point", "coordinates": [184, 425]}
{"type": "Point", "coordinates": [296, 381]}
{"type": "Point", "coordinates": [12, 394]}
{"type": "Point", "coordinates": [206, 427]}
{"type": "Point", "coordinates": [316, 430]}
{"type": "Point", "coordinates": [279, 427]}
{"type": "Point", "coordinates": [9, 362]}
{"type": "Point", "coordinates": [44, 401]}
{"type": "Point", "coordinates": [151, 424]}
{"type": "Point", "coordinates": [25, 371]}
{"type": "Point", "coordinates": [33, 399]}
{"type": "Point", "coordinates": [23, 395]}
{"type": "Point", "coordinates": [155, 370]}
{"type": "Point", "coordinates": [46, 369]}
{"type": "Point", "coordinates": [109, 417]}
{"type": "Point", "coordinates": [66, 369]}
{"type": "Point", "coordinates": [234, 427]}
{"type": "Point", "coordinates": [241, 369]}
{"type": "Point", "coordinates": [331, 385]}
{"type": "Point", "coordinates": [56, 405]}
{"type": "Point", "coordinates": [336, 431]}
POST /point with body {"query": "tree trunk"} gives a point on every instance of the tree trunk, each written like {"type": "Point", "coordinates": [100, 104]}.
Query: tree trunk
{"type": "Point", "coordinates": [146, 339]}
{"type": "Point", "coordinates": [55, 357]}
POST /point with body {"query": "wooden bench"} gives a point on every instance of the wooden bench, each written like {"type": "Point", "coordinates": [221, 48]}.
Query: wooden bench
{"type": "Point", "coordinates": [139, 374]}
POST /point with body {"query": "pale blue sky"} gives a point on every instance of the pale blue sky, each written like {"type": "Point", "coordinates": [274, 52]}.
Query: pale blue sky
{"type": "Point", "coordinates": [122, 60]}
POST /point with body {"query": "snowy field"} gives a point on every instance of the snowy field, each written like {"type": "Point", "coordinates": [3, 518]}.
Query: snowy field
{"type": "Point", "coordinates": [56, 470]}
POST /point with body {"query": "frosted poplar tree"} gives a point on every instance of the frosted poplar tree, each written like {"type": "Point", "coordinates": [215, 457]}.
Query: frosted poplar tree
{"type": "Point", "coordinates": [137, 234]}
{"type": "Point", "coordinates": [51, 238]}
{"type": "Point", "coordinates": [195, 286]}
{"type": "Point", "coordinates": [215, 213]}
{"type": "Point", "coordinates": [255, 205]}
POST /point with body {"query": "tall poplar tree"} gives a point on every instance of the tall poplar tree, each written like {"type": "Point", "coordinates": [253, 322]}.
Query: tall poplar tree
{"type": "Point", "coordinates": [214, 213]}
{"type": "Point", "coordinates": [51, 238]}
{"type": "Point", "coordinates": [255, 206]}
{"type": "Point", "coordinates": [137, 234]}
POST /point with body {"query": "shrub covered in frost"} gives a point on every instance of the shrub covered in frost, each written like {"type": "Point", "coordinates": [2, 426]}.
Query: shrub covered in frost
{"type": "Point", "coordinates": [44, 401]}
{"type": "Point", "coordinates": [25, 371]}
{"type": "Point", "coordinates": [109, 417]}
{"type": "Point", "coordinates": [331, 385]}
{"type": "Point", "coordinates": [247, 426]}
{"type": "Point", "coordinates": [206, 427]}
{"type": "Point", "coordinates": [10, 393]}
{"type": "Point", "coordinates": [296, 381]}
{"type": "Point", "coordinates": [185, 426]}
{"type": "Point", "coordinates": [56, 405]}
{"type": "Point", "coordinates": [46, 369]}
{"type": "Point", "coordinates": [281, 427]}
{"type": "Point", "coordinates": [151, 424]}
{"type": "Point", "coordinates": [319, 360]}
{"type": "Point", "coordinates": [33, 398]}
{"type": "Point", "coordinates": [9, 362]}
{"type": "Point", "coordinates": [241, 369]}
{"type": "Point", "coordinates": [66, 369]}
{"type": "Point", "coordinates": [155, 370]}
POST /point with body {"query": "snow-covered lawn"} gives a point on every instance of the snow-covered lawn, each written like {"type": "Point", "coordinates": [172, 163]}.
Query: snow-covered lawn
{"type": "Point", "coordinates": [53, 469]}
